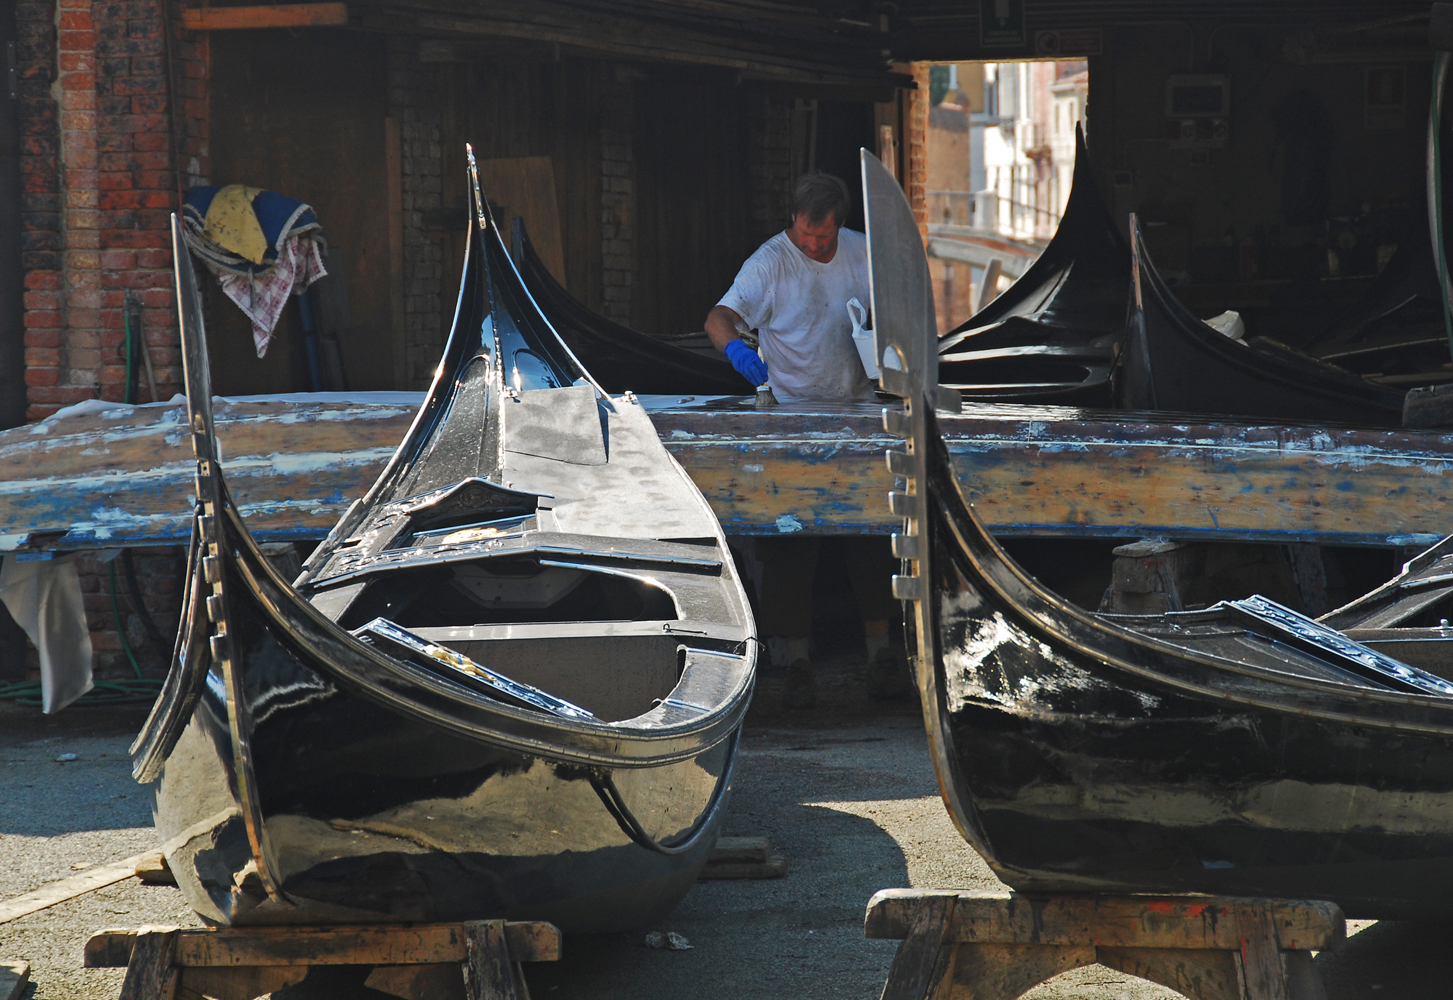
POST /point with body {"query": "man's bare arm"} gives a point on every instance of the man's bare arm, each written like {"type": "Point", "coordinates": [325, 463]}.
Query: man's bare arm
{"type": "Point", "coordinates": [721, 326]}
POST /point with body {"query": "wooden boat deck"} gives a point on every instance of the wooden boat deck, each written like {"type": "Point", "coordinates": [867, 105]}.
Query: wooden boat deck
{"type": "Point", "coordinates": [123, 477]}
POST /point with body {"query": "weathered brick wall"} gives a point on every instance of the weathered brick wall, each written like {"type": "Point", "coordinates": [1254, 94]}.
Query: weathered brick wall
{"type": "Point", "coordinates": [915, 184]}
{"type": "Point", "coordinates": [100, 172]}
{"type": "Point", "coordinates": [770, 162]}
{"type": "Point", "coordinates": [413, 101]}
{"type": "Point", "coordinates": [105, 155]}
{"type": "Point", "coordinates": [617, 196]}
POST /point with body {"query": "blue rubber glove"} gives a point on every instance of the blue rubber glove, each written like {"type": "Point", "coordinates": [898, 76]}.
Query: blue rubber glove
{"type": "Point", "coordinates": [745, 361]}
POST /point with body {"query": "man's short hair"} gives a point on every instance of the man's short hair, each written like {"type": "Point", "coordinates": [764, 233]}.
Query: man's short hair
{"type": "Point", "coordinates": [819, 195]}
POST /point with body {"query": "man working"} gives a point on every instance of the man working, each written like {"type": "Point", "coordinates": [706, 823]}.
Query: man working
{"type": "Point", "coordinates": [794, 291]}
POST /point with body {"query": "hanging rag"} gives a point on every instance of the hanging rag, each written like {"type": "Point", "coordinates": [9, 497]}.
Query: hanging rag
{"type": "Point", "coordinates": [260, 245]}
{"type": "Point", "coordinates": [44, 598]}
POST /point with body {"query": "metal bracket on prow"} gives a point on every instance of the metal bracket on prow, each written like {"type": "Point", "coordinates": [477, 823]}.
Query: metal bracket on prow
{"type": "Point", "coordinates": [196, 372]}
{"type": "Point", "coordinates": [907, 346]}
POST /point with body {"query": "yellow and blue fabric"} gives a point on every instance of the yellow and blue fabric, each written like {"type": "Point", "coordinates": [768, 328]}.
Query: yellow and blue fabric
{"type": "Point", "coordinates": [242, 229]}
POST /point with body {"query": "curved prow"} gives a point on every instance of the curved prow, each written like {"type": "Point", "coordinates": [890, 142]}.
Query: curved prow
{"type": "Point", "coordinates": [620, 357]}
{"type": "Point", "coordinates": [1076, 287]}
{"type": "Point", "coordinates": [1171, 360]}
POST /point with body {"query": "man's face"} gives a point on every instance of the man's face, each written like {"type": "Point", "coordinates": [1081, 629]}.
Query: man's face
{"type": "Point", "coordinates": [816, 239]}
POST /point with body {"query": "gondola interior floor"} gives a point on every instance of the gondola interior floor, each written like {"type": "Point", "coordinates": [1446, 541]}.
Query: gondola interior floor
{"type": "Point", "coordinates": [849, 798]}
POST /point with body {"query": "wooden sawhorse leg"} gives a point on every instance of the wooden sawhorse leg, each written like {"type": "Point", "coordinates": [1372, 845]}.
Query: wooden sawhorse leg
{"type": "Point", "coordinates": [1000, 945]}
{"type": "Point", "coordinates": [476, 960]}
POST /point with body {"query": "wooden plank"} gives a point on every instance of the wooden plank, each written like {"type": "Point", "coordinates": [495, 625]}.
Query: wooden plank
{"type": "Point", "coordinates": [1111, 921]}
{"type": "Point", "coordinates": [69, 888]}
{"type": "Point", "coordinates": [772, 867]}
{"type": "Point", "coordinates": [524, 186]}
{"type": "Point", "coordinates": [924, 959]}
{"type": "Point", "coordinates": [291, 15]}
{"type": "Point", "coordinates": [14, 975]}
{"type": "Point", "coordinates": [152, 974]}
{"type": "Point", "coordinates": [124, 476]}
{"type": "Point", "coordinates": [372, 944]}
{"type": "Point", "coordinates": [489, 973]}
{"type": "Point", "coordinates": [738, 849]}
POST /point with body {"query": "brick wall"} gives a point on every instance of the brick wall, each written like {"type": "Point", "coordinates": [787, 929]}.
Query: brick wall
{"type": "Point", "coordinates": [916, 117]}
{"type": "Point", "coordinates": [617, 195]}
{"type": "Point", "coordinates": [770, 160]}
{"type": "Point", "coordinates": [103, 162]}
{"type": "Point", "coordinates": [413, 101]}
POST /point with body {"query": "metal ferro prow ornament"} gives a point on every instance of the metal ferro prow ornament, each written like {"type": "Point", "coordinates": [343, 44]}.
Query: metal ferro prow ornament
{"type": "Point", "coordinates": [906, 335]}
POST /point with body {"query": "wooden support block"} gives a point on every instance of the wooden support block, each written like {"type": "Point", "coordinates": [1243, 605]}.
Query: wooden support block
{"type": "Point", "coordinates": [291, 15]}
{"type": "Point", "coordinates": [489, 974]}
{"type": "Point", "coordinates": [739, 849]}
{"type": "Point", "coordinates": [13, 977]}
{"type": "Point", "coordinates": [372, 944]}
{"type": "Point", "coordinates": [1112, 921]}
{"type": "Point", "coordinates": [152, 973]}
{"type": "Point", "coordinates": [69, 888]}
{"type": "Point", "coordinates": [152, 869]}
{"type": "Point", "coordinates": [1000, 945]}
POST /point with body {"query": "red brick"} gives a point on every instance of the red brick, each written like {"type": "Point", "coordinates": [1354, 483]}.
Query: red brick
{"type": "Point", "coordinates": [79, 100]}
{"type": "Point", "coordinates": [157, 298]}
{"type": "Point", "coordinates": [83, 298]}
{"type": "Point", "coordinates": [42, 357]}
{"type": "Point", "coordinates": [84, 339]}
{"type": "Point", "coordinates": [150, 141]}
{"type": "Point", "coordinates": [42, 376]}
{"type": "Point", "coordinates": [83, 219]}
{"type": "Point", "coordinates": [78, 81]}
{"type": "Point", "coordinates": [113, 375]}
{"type": "Point", "coordinates": [41, 319]}
{"type": "Point", "coordinates": [83, 177]}
{"type": "Point", "coordinates": [43, 280]}
{"type": "Point", "coordinates": [70, 62]}
{"type": "Point", "coordinates": [156, 180]}
{"type": "Point", "coordinates": [76, 20]}
{"type": "Point", "coordinates": [76, 41]}
{"type": "Point", "coordinates": [42, 300]}
{"type": "Point", "coordinates": [115, 260]}
{"type": "Point", "coordinates": [79, 159]}
{"type": "Point", "coordinates": [42, 338]}
{"type": "Point", "coordinates": [149, 104]}
{"type": "Point", "coordinates": [82, 318]}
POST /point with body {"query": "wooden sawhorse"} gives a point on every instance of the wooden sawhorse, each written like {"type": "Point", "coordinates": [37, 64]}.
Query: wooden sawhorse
{"type": "Point", "coordinates": [999, 945]}
{"type": "Point", "coordinates": [412, 961]}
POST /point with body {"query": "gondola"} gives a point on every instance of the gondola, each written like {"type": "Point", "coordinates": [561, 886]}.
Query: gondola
{"type": "Point", "coordinates": [621, 359]}
{"type": "Point", "coordinates": [1049, 338]}
{"type": "Point", "coordinates": [1242, 750]}
{"type": "Point", "coordinates": [509, 683]}
{"type": "Point", "coordinates": [1170, 360]}
{"type": "Point", "coordinates": [1395, 335]}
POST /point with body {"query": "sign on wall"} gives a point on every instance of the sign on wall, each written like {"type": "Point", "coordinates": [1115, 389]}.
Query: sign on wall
{"type": "Point", "coordinates": [1074, 43]}
{"type": "Point", "coordinates": [1001, 23]}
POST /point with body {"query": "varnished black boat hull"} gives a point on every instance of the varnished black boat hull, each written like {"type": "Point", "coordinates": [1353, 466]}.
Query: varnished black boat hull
{"type": "Point", "coordinates": [557, 744]}
{"type": "Point", "coordinates": [1243, 750]}
{"type": "Point", "coordinates": [620, 358]}
{"type": "Point", "coordinates": [1170, 360]}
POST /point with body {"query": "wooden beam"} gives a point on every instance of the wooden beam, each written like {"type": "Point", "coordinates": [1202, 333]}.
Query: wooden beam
{"type": "Point", "coordinates": [289, 15]}
{"type": "Point", "coordinates": [364, 944]}
{"type": "Point", "coordinates": [1121, 921]}
{"type": "Point", "coordinates": [122, 477]}
{"type": "Point", "coordinates": [69, 888]}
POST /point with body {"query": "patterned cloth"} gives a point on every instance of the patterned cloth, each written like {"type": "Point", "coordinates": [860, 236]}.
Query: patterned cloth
{"type": "Point", "coordinates": [262, 297]}
{"type": "Point", "coordinates": [261, 246]}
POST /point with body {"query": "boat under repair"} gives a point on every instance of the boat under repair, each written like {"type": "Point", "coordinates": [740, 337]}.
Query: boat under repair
{"type": "Point", "coordinates": [1243, 750]}
{"type": "Point", "coordinates": [508, 684]}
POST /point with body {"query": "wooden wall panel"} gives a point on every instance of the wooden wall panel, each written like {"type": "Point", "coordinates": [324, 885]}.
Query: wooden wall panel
{"type": "Point", "coordinates": [520, 107]}
{"type": "Point", "coordinates": [302, 112]}
{"type": "Point", "coordinates": [693, 186]}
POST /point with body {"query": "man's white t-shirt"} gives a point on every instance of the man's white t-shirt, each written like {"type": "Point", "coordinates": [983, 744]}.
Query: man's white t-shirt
{"type": "Point", "coordinates": [799, 308]}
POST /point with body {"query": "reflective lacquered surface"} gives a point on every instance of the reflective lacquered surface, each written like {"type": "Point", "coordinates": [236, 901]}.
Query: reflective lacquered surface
{"type": "Point", "coordinates": [362, 744]}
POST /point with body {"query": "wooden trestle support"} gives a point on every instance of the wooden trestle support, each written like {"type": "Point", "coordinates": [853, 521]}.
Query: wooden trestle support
{"type": "Point", "coordinates": [999, 945]}
{"type": "Point", "coordinates": [478, 960]}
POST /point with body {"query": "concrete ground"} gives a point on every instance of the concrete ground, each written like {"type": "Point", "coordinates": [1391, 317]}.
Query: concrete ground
{"type": "Point", "coordinates": [845, 792]}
